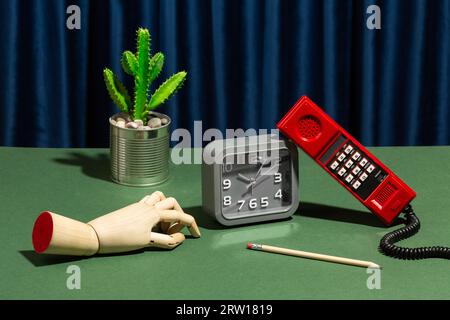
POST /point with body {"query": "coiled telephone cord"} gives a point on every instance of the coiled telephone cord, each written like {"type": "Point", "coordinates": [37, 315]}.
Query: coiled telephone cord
{"type": "Point", "coordinates": [412, 226]}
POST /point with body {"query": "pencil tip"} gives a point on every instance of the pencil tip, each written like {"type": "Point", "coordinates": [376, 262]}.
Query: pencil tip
{"type": "Point", "coordinates": [374, 266]}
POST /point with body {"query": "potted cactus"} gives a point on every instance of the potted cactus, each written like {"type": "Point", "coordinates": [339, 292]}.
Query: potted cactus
{"type": "Point", "coordinates": [139, 136]}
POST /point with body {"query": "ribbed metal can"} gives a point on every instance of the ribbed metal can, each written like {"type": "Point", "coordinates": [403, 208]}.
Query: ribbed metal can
{"type": "Point", "coordinates": [140, 157]}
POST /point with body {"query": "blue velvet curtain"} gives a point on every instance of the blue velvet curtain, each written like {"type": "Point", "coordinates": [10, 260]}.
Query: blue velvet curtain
{"type": "Point", "coordinates": [248, 62]}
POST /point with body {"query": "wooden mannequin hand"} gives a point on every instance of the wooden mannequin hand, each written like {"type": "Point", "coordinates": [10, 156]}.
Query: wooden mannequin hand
{"type": "Point", "coordinates": [134, 227]}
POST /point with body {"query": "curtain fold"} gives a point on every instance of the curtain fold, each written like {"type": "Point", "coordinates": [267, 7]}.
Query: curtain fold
{"type": "Point", "coordinates": [248, 61]}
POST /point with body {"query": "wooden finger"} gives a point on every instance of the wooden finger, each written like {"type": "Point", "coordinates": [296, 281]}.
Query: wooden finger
{"type": "Point", "coordinates": [166, 241]}
{"type": "Point", "coordinates": [168, 204]}
{"type": "Point", "coordinates": [154, 198]}
{"type": "Point", "coordinates": [183, 218]}
{"type": "Point", "coordinates": [164, 225]}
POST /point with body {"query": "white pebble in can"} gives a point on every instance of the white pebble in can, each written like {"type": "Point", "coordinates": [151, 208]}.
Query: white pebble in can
{"type": "Point", "coordinates": [154, 122]}
{"type": "Point", "coordinates": [131, 125]}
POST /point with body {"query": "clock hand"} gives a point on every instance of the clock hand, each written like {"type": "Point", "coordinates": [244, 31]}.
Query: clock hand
{"type": "Point", "coordinates": [255, 178]}
{"type": "Point", "coordinates": [267, 171]}
{"type": "Point", "coordinates": [246, 179]}
{"type": "Point", "coordinates": [240, 175]}
{"type": "Point", "coordinates": [252, 181]}
{"type": "Point", "coordinates": [257, 181]}
{"type": "Point", "coordinates": [271, 168]}
{"type": "Point", "coordinates": [251, 185]}
{"type": "Point", "coordinates": [260, 168]}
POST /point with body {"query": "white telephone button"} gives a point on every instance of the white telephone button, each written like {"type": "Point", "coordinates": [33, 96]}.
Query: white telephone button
{"type": "Point", "coordinates": [356, 185]}
{"type": "Point", "coordinates": [348, 149]}
{"type": "Point", "coordinates": [363, 162]}
{"type": "Point", "coordinates": [334, 165]}
{"type": "Point", "coordinates": [349, 163]}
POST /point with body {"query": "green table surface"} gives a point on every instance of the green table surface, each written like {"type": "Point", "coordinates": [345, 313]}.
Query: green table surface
{"type": "Point", "coordinates": [75, 183]}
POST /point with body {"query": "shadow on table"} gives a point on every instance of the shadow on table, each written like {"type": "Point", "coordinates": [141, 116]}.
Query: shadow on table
{"type": "Point", "coordinates": [305, 209]}
{"type": "Point", "coordinates": [203, 219]}
{"type": "Point", "coordinates": [95, 166]}
{"type": "Point", "coordinates": [40, 260]}
{"type": "Point", "coordinates": [319, 211]}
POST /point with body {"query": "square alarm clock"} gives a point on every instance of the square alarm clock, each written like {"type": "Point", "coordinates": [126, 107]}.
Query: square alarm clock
{"type": "Point", "coordinates": [250, 179]}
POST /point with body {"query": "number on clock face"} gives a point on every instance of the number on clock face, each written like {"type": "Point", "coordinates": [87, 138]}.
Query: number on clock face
{"type": "Point", "coordinates": [277, 177]}
{"type": "Point", "coordinates": [261, 185]}
{"type": "Point", "coordinates": [253, 203]}
{"type": "Point", "coordinates": [226, 184]}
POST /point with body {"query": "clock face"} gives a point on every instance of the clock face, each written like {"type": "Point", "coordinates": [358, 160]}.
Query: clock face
{"type": "Point", "coordinates": [256, 183]}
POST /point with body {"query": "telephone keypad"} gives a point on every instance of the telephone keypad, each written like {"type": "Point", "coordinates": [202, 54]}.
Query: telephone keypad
{"type": "Point", "coordinates": [355, 170]}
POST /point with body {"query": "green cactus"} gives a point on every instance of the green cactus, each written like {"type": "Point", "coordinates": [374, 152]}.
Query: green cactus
{"type": "Point", "coordinates": [167, 89]}
{"type": "Point", "coordinates": [145, 69]}
{"type": "Point", "coordinates": [129, 63]}
{"type": "Point", "coordinates": [117, 91]}
{"type": "Point", "coordinates": [156, 65]}
{"type": "Point", "coordinates": [142, 78]}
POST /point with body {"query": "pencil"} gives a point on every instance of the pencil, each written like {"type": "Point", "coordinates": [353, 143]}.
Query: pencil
{"type": "Point", "coordinates": [311, 255]}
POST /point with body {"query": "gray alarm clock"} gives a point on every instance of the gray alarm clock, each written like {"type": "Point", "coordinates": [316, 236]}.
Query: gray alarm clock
{"type": "Point", "coordinates": [250, 179]}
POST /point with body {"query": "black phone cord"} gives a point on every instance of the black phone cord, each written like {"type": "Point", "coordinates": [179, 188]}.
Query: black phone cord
{"type": "Point", "coordinates": [412, 226]}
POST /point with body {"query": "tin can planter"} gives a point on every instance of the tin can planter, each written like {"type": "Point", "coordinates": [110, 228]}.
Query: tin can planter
{"type": "Point", "coordinates": [140, 157]}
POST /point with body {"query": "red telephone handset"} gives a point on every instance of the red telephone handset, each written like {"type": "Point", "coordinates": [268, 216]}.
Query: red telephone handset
{"type": "Point", "coordinates": [346, 160]}
{"type": "Point", "coordinates": [360, 172]}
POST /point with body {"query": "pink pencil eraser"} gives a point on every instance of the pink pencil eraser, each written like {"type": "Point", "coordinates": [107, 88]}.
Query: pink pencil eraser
{"type": "Point", "coordinates": [249, 245]}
